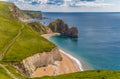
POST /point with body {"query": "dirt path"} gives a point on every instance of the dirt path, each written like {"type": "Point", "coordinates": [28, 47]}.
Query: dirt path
{"type": "Point", "coordinates": [11, 43]}
{"type": "Point", "coordinates": [6, 49]}
{"type": "Point", "coordinates": [8, 72]}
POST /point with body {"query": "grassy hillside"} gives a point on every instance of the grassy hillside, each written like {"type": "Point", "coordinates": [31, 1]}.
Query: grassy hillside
{"type": "Point", "coordinates": [40, 28]}
{"type": "Point", "coordinates": [97, 74]}
{"type": "Point", "coordinates": [34, 14]}
{"type": "Point", "coordinates": [17, 39]}
{"type": "Point", "coordinates": [7, 26]}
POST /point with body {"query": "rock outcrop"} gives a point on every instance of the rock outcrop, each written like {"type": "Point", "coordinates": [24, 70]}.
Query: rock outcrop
{"type": "Point", "coordinates": [40, 28]}
{"type": "Point", "coordinates": [62, 28]}
{"type": "Point", "coordinates": [30, 64]}
{"type": "Point", "coordinates": [18, 14]}
{"type": "Point", "coordinates": [72, 32]}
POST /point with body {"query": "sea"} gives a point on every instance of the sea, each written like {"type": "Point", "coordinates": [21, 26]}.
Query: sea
{"type": "Point", "coordinates": [99, 37]}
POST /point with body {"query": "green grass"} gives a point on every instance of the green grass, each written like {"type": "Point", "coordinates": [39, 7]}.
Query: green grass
{"type": "Point", "coordinates": [96, 74]}
{"type": "Point", "coordinates": [14, 71]}
{"type": "Point", "coordinates": [8, 26]}
{"type": "Point", "coordinates": [27, 43]}
{"type": "Point", "coordinates": [33, 14]}
{"type": "Point", "coordinates": [40, 28]}
{"type": "Point", "coordinates": [3, 74]}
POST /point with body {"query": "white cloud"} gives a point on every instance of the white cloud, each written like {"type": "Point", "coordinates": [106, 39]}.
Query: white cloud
{"type": "Point", "coordinates": [96, 3]}
{"type": "Point", "coordinates": [3, 0]}
{"type": "Point", "coordinates": [92, 4]}
{"type": "Point", "coordinates": [67, 5]}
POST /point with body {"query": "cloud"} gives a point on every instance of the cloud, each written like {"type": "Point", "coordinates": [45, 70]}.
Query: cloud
{"type": "Point", "coordinates": [85, 3]}
{"type": "Point", "coordinates": [63, 5]}
{"type": "Point", "coordinates": [3, 0]}
{"type": "Point", "coordinates": [90, 4]}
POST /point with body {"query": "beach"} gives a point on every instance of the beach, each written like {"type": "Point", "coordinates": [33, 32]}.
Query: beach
{"type": "Point", "coordinates": [69, 64]}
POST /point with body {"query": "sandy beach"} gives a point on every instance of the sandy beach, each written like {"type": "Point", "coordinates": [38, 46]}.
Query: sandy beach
{"type": "Point", "coordinates": [47, 36]}
{"type": "Point", "coordinates": [69, 64]}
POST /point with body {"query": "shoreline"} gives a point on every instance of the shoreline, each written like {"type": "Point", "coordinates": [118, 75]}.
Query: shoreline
{"type": "Point", "coordinates": [77, 62]}
{"type": "Point", "coordinates": [47, 36]}
{"type": "Point", "coordinates": [69, 64]}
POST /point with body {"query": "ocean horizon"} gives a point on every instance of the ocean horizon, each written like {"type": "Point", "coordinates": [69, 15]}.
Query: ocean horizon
{"type": "Point", "coordinates": [98, 43]}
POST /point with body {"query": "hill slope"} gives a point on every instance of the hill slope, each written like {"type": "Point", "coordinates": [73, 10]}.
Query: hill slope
{"type": "Point", "coordinates": [97, 74]}
{"type": "Point", "coordinates": [20, 45]}
{"type": "Point", "coordinates": [17, 39]}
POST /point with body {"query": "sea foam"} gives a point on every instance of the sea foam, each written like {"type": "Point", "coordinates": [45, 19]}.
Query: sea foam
{"type": "Point", "coordinates": [74, 59]}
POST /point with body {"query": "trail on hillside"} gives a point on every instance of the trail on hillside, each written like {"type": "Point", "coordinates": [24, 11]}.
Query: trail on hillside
{"type": "Point", "coordinates": [11, 42]}
{"type": "Point", "coordinates": [6, 49]}
{"type": "Point", "coordinates": [8, 72]}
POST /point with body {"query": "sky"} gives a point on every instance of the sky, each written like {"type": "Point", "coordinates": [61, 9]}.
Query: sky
{"type": "Point", "coordinates": [69, 5]}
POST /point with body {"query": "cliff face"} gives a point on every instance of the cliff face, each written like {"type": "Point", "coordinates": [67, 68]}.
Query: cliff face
{"type": "Point", "coordinates": [34, 14]}
{"type": "Point", "coordinates": [72, 32]}
{"type": "Point", "coordinates": [30, 64]}
{"type": "Point", "coordinates": [62, 28]}
{"type": "Point", "coordinates": [24, 15]}
{"type": "Point", "coordinates": [40, 28]}
{"type": "Point", "coordinates": [18, 14]}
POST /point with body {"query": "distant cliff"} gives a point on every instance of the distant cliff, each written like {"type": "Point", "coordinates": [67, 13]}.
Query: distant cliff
{"type": "Point", "coordinates": [34, 14]}
{"type": "Point", "coordinates": [24, 15]}
{"type": "Point", "coordinates": [56, 26]}
{"type": "Point", "coordinates": [62, 28]}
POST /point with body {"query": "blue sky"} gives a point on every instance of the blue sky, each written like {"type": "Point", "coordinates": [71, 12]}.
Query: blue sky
{"type": "Point", "coordinates": [69, 5]}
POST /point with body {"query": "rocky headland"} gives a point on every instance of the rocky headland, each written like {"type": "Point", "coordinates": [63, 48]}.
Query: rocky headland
{"type": "Point", "coordinates": [60, 27]}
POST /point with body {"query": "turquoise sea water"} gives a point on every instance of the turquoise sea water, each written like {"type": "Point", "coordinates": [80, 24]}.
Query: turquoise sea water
{"type": "Point", "coordinates": [99, 38]}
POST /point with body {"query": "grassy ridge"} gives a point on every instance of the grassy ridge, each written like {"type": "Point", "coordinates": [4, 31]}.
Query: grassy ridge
{"type": "Point", "coordinates": [96, 74]}
{"type": "Point", "coordinates": [27, 42]}
{"type": "Point", "coordinates": [8, 26]}
{"type": "Point", "coordinates": [40, 28]}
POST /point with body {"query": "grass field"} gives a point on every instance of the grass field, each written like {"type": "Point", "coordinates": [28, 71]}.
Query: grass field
{"type": "Point", "coordinates": [27, 44]}
{"type": "Point", "coordinates": [8, 26]}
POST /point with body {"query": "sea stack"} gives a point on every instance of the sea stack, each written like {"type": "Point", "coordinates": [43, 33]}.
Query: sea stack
{"type": "Point", "coordinates": [62, 28]}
